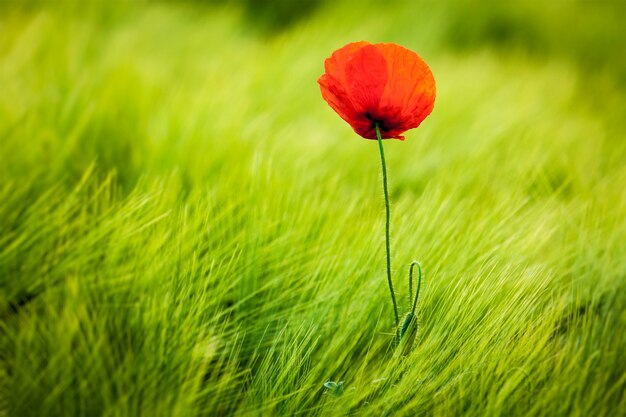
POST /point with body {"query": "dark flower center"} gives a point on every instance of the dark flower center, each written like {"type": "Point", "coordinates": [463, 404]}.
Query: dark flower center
{"type": "Point", "coordinates": [375, 121]}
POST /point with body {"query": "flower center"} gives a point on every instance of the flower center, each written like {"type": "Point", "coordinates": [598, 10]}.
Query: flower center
{"type": "Point", "coordinates": [375, 121]}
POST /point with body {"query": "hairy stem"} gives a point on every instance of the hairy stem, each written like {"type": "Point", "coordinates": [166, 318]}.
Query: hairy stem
{"type": "Point", "coordinates": [382, 160]}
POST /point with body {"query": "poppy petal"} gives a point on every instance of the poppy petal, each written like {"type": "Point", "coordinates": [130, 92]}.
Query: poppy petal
{"type": "Point", "coordinates": [410, 89]}
{"type": "Point", "coordinates": [366, 76]}
{"type": "Point", "coordinates": [340, 101]}
{"type": "Point", "coordinates": [336, 64]}
{"type": "Point", "coordinates": [334, 87]}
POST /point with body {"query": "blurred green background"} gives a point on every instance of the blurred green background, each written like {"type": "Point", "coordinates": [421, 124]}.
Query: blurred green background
{"type": "Point", "coordinates": [130, 68]}
{"type": "Point", "coordinates": [186, 228]}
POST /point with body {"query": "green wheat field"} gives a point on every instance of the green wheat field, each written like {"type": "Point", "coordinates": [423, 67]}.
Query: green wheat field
{"type": "Point", "coordinates": [187, 229]}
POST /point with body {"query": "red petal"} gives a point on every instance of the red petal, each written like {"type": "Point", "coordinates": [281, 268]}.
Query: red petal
{"type": "Point", "coordinates": [340, 101]}
{"type": "Point", "coordinates": [335, 66]}
{"type": "Point", "coordinates": [410, 92]}
{"type": "Point", "coordinates": [366, 76]}
{"type": "Point", "coordinates": [334, 88]}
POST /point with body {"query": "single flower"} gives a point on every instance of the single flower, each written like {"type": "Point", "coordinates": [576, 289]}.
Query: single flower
{"type": "Point", "coordinates": [382, 90]}
{"type": "Point", "coordinates": [385, 84]}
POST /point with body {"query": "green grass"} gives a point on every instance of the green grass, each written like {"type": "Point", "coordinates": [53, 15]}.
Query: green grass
{"type": "Point", "coordinates": [187, 229]}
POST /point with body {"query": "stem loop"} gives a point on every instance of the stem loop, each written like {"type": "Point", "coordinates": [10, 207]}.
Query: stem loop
{"type": "Point", "coordinates": [419, 283]}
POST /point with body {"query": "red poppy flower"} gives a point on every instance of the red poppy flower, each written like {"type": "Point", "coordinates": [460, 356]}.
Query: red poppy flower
{"type": "Point", "coordinates": [380, 83]}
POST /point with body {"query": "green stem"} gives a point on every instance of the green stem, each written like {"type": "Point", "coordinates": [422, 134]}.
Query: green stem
{"type": "Point", "coordinates": [419, 283]}
{"type": "Point", "coordinates": [382, 160]}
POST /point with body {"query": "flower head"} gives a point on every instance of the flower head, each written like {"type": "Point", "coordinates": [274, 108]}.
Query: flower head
{"type": "Point", "coordinates": [384, 84]}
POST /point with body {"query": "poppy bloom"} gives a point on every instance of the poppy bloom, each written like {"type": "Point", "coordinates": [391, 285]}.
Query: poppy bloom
{"type": "Point", "coordinates": [385, 84]}
{"type": "Point", "coordinates": [382, 90]}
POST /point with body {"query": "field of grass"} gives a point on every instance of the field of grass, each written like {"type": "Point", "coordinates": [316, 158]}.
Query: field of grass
{"type": "Point", "coordinates": [187, 229]}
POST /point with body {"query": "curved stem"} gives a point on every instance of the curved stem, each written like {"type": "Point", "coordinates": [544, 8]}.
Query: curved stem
{"type": "Point", "coordinates": [382, 159]}
{"type": "Point", "coordinates": [419, 283]}
{"type": "Point", "coordinates": [411, 282]}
